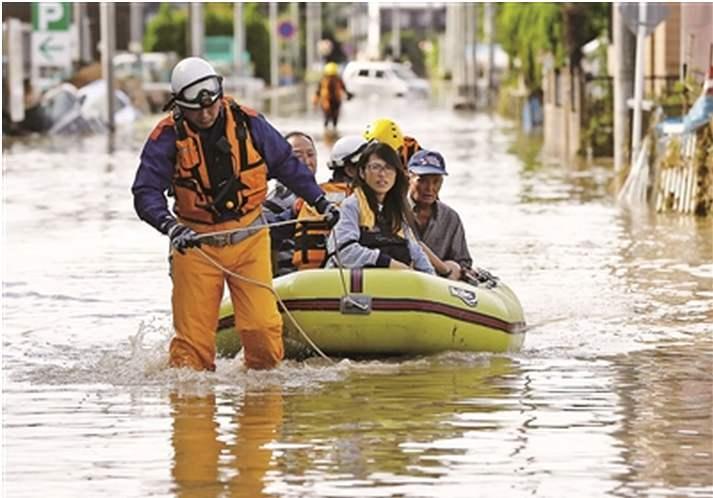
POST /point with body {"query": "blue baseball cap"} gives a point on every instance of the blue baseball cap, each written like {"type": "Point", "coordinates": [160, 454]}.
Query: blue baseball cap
{"type": "Point", "coordinates": [427, 162]}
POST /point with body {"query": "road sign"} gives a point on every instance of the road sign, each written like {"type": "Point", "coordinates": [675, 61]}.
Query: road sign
{"type": "Point", "coordinates": [51, 16]}
{"type": "Point", "coordinates": [286, 29]}
{"type": "Point", "coordinates": [655, 13]}
{"type": "Point", "coordinates": [52, 49]}
{"type": "Point", "coordinates": [51, 42]}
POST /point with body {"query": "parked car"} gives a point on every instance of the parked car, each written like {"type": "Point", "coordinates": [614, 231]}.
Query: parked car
{"type": "Point", "coordinates": [384, 78]}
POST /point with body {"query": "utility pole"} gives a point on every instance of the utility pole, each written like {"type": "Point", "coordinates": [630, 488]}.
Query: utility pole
{"type": "Point", "coordinates": [106, 13]}
{"type": "Point", "coordinates": [638, 82]}
{"type": "Point", "coordinates": [195, 19]}
{"type": "Point", "coordinates": [623, 85]}
{"type": "Point", "coordinates": [294, 43]}
{"type": "Point", "coordinates": [489, 32]}
{"type": "Point", "coordinates": [274, 81]}
{"type": "Point", "coordinates": [136, 15]}
{"type": "Point", "coordinates": [374, 33]}
{"type": "Point", "coordinates": [238, 38]}
{"type": "Point", "coordinates": [84, 50]}
{"type": "Point", "coordinates": [396, 32]}
{"type": "Point", "coordinates": [310, 42]}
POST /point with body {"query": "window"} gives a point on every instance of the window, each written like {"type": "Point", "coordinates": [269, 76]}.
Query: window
{"type": "Point", "coordinates": [379, 73]}
{"type": "Point", "coordinates": [363, 72]}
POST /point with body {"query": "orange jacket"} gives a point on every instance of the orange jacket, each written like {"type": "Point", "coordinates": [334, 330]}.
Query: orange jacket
{"type": "Point", "coordinates": [196, 199]}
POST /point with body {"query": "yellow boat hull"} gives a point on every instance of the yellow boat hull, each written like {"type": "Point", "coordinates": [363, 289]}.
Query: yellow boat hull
{"type": "Point", "coordinates": [389, 312]}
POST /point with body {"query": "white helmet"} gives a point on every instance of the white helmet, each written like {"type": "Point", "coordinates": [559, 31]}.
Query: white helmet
{"type": "Point", "coordinates": [347, 150]}
{"type": "Point", "coordinates": [195, 84]}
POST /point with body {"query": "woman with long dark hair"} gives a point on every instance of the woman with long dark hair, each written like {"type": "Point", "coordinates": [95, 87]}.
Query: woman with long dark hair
{"type": "Point", "coordinates": [373, 230]}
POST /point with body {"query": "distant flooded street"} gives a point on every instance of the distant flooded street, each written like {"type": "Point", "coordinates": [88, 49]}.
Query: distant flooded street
{"type": "Point", "coordinates": [611, 395]}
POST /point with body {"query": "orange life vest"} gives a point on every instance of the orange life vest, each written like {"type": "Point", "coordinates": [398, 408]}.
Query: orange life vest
{"type": "Point", "coordinates": [408, 149]}
{"type": "Point", "coordinates": [311, 236]}
{"type": "Point", "coordinates": [331, 89]}
{"type": "Point", "coordinates": [196, 199]}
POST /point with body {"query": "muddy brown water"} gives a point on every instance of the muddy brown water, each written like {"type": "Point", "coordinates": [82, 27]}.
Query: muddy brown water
{"type": "Point", "coordinates": [610, 396]}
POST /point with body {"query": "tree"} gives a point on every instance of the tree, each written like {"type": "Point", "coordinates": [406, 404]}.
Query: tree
{"type": "Point", "coordinates": [527, 31]}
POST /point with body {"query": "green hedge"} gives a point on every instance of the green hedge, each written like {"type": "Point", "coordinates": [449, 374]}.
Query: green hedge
{"type": "Point", "coordinates": [168, 31]}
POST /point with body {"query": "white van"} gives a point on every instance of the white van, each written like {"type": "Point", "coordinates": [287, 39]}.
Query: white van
{"type": "Point", "coordinates": [385, 79]}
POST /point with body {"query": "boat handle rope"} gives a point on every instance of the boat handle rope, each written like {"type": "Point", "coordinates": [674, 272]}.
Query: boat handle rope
{"type": "Point", "coordinates": [274, 293]}
{"type": "Point", "coordinates": [269, 287]}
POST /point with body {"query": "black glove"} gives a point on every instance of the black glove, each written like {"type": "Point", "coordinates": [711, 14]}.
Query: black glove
{"type": "Point", "coordinates": [329, 210]}
{"type": "Point", "coordinates": [182, 237]}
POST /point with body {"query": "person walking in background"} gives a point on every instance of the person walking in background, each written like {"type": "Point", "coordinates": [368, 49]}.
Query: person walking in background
{"type": "Point", "coordinates": [330, 93]}
{"type": "Point", "coordinates": [373, 230]}
{"type": "Point", "coordinates": [215, 157]}
{"type": "Point", "coordinates": [439, 227]}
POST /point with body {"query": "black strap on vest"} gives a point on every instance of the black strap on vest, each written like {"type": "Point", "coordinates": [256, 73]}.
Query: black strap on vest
{"type": "Point", "coordinates": [393, 246]}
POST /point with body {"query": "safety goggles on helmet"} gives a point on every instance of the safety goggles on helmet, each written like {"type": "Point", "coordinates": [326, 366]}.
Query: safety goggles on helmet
{"type": "Point", "coordinates": [350, 159]}
{"type": "Point", "coordinates": [200, 93]}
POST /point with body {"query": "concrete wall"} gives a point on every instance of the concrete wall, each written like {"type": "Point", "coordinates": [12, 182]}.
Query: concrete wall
{"type": "Point", "coordinates": [697, 26]}
{"type": "Point", "coordinates": [562, 108]}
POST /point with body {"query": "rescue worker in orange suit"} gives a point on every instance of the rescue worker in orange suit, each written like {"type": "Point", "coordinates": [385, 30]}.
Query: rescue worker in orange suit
{"type": "Point", "coordinates": [330, 93]}
{"type": "Point", "coordinates": [215, 157]}
{"type": "Point", "coordinates": [387, 131]}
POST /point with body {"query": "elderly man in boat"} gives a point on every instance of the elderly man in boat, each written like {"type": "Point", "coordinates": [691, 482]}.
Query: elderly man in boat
{"type": "Point", "coordinates": [438, 225]}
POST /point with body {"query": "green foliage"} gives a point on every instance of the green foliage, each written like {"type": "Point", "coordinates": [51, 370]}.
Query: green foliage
{"type": "Point", "coordinates": [677, 99]}
{"type": "Point", "coordinates": [257, 40]}
{"type": "Point", "coordinates": [218, 18]}
{"type": "Point", "coordinates": [410, 51]}
{"type": "Point", "coordinates": [528, 31]}
{"type": "Point", "coordinates": [167, 32]}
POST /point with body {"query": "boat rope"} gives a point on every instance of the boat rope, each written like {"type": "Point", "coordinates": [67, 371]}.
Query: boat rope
{"type": "Point", "coordinates": [277, 297]}
{"type": "Point", "coordinates": [256, 227]}
{"type": "Point", "coordinates": [346, 297]}
{"type": "Point", "coordinates": [340, 266]}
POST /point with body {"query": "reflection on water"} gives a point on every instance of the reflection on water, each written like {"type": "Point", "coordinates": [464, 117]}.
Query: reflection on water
{"type": "Point", "coordinates": [611, 395]}
{"type": "Point", "coordinates": [224, 446]}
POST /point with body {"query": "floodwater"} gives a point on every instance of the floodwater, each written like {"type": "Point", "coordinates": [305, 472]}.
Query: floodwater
{"type": "Point", "coordinates": [611, 395]}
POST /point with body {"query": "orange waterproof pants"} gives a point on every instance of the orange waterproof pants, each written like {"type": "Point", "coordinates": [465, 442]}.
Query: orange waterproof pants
{"type": "Point", "coordinates": [197, 294]}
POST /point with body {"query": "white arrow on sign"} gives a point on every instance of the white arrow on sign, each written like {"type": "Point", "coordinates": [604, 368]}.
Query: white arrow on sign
{"type": "Point", "coordinates": [52, 48]}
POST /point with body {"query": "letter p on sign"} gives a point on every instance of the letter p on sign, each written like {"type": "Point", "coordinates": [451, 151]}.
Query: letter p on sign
{"type": "Point", "coordinates": [51, 16]}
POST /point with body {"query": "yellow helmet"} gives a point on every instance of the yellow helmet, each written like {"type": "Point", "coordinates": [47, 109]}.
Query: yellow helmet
{"type": "Point", "coordinates": [331, 69]}
{"type": "Point", "coordinates": [386, 131]}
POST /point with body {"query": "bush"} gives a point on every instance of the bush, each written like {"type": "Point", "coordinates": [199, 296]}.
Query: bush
{"type": "Point", "coordinates": [167, 32]}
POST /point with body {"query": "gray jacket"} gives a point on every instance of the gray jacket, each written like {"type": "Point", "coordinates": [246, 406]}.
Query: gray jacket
{"type": "Point", "coordinates": [356, 255]}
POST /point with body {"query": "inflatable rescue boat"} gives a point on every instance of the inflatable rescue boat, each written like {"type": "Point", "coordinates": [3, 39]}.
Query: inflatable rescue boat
{"type": "Point", "coordinates": [375, 312]}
